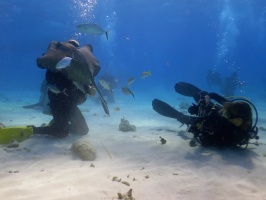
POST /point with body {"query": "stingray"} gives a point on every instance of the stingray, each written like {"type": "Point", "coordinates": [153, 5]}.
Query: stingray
{"type": "Point", "coordinates": [82, 69]}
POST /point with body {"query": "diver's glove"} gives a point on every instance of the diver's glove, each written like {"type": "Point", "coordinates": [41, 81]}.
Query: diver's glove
{"type": "Point", "coordinates": [193, 109]}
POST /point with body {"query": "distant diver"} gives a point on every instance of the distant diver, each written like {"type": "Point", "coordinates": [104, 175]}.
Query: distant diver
{"type": "Point", "coordinates": [227, 86]}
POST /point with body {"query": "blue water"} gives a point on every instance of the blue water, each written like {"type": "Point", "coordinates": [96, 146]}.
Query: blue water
{"type": "Point", "coordinates": [177, 40]}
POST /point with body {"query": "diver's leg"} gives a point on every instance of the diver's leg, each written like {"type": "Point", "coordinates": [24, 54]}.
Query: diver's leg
{"type": "Point", "coordinates": [60, 124]}
{"type": "Point", "coordinates": [77, 121]}
{"type": "Point", "coordinates": [57, 129]}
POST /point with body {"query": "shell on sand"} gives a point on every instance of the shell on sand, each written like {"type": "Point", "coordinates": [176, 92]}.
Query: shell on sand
{"type": "Point", "coordinates": [84, 150]}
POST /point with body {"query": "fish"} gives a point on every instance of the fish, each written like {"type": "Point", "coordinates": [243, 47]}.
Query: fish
{"type": "Point", "coordinates": [116, 109]}
{"type": "Point", "coordinates": [79, 86]}
{"type": "Point", "coordinates": [105, 85]}
{"type": "Point", "coordinates": [92, 28]}
{"type": "Point", "coordinates": [145, 74]}
{"type": "Point", "coordinates": [127, 91]}
{"type": "Point", "coordinates": [55, 90]}
{"type": "Point", "coordinates": [63, 63]}
{"type": "Point", "coordinates": [130, 81]}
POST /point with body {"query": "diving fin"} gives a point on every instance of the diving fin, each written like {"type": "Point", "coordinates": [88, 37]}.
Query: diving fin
{"type": "Point", "coordinates": [168, 111]}
{"type": "Point", "coordinates": [186, 89]}
{"type": "Point", "coordinates": [18, 133]}
{"type": "Point", "coordinates": [165, 109]}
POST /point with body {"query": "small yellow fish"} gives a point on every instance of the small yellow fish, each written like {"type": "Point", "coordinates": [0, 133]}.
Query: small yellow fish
{"type": "Point", "coordinates": [116, 109]}
{"type": "Point", "coordinates": [145, 74]}
{"type": "Point", "coordinates": [130, 81]}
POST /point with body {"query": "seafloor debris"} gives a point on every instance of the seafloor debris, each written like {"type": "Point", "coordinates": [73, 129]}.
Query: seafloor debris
{"type": "Point", "coordinates": [126, 196]}
{"type": "Point", "coordinates": [124, 126]}
{"type": "Point", "coordinates": [13, 144]}
{"type": "Point", "coordinates": [163, 141]}
{"type": "Point", "coordinates": [115, 178]}
{"type": "Point", "coordinates": [84, 150]}
{"type": "Point", "coordinates": [126, 183]}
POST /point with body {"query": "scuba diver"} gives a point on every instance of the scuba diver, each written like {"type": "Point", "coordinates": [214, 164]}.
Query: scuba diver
{"type": "Point", "coordinates": [222, 124]}
{"type": "Point", "coordinates": [64, 98]}
{"type": "Point", "coordinates": [227, 85]}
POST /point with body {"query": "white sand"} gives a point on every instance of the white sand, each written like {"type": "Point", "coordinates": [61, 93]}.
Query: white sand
{"type": "Point", "coordinates": [45, 168]}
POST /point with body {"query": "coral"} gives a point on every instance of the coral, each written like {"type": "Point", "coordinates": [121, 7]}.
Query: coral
{"type": "Point", "coordinates": [84, 150]}
{"type": "Point", "coordinates": [126, 196]}
{"type": "Point", "coordinates": [13, 144]}
{"type": "Point", "coordinates": [124, 126]}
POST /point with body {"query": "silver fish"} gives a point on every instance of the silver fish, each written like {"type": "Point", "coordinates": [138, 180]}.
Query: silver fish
{"type": "Point", "coordinates": [55, 90]}
{"type": "Point", "coordinates": [63, 63]}
{"type": "Point", "coordinates": [79, 86]}
{"type": "Point", "coordinates": [105, 85]}
{"type": "Point", "coordinates": [92, 28]}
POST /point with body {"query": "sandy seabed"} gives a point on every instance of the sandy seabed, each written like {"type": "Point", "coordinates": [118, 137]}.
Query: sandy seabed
{"type": "Point", "coordinates": [46, 168]}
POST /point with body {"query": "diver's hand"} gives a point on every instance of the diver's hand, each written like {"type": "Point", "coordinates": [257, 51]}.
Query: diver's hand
{"type": "Point", "coordinates": [193, 109]}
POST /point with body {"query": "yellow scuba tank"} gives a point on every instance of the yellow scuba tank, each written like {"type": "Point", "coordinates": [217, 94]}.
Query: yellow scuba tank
{"type": "Point", "coordinates": [18, 133]}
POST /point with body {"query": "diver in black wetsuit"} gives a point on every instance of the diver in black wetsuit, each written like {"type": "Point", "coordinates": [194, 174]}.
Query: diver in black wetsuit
{"type": "Point", "coordinates": [226, 124]}
{"type": "Point", "coordinates": [66, 115]}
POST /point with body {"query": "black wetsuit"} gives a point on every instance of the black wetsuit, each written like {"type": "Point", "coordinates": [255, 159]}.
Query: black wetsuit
{"type": "Point", "coordinates": [66, 115]}
{"type": "Point", "coordinates": [216, 130]}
